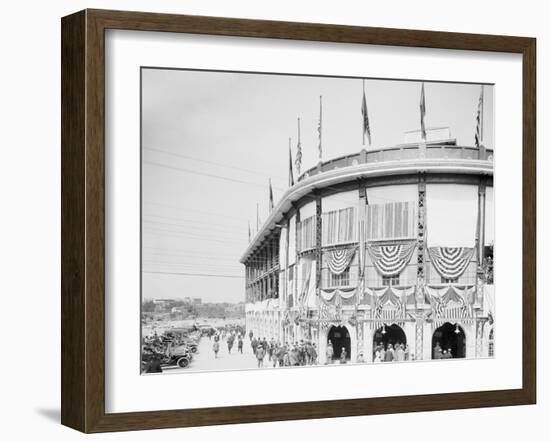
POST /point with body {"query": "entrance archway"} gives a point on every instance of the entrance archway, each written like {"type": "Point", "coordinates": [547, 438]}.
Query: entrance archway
{"type": "Point", "coordinates": [389, 334]}
{"type": "Point", "coordinates": [449, 337]}
{"type": "Point", "coordinates": [340, 338]}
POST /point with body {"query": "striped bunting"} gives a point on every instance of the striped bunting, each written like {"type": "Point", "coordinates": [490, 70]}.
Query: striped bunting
{"type": "Point", "coordinates": [450, 262]}
{"type": "Point", "coordinates": [450, 304]}
{"type": "Point", "coordinates": [391, 259]}
{"type": "Point", "coordinates": [338, 260]}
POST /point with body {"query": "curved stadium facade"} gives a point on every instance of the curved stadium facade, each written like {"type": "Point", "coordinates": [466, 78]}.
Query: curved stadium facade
{"type": "Point", "coordinates": [390, 245]}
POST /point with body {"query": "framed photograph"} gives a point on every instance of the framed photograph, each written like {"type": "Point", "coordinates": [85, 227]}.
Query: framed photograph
{"type": "Point", "coordinates": [267, 221]}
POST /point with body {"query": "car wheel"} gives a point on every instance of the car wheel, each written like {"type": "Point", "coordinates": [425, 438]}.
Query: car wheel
{"type": "Point", "coordinates": [183, 362]}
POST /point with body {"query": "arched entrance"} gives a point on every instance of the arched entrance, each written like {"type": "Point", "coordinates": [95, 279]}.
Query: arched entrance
{"type": "Point", "coordinates": [389, 334]}
{"type": "Point", "coordinates": [447, 338]}
{"type": "Point", "coordinates": [340, 338]}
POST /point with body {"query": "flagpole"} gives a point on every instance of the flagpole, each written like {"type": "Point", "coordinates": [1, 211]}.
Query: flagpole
{"type": "Point", "coordinates": [290, 171]}
{"type": "Point", "coordinates": [320, 128]}
{"type": "Point", "coordinates": [482, 112]}
{"type": "Point", "coordinates": [363, 131]}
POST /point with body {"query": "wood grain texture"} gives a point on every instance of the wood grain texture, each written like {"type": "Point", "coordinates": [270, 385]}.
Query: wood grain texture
{"type": "Point", "coordinates": [83, 219]}
{"type": "Point", "coordinates": [73, 255]}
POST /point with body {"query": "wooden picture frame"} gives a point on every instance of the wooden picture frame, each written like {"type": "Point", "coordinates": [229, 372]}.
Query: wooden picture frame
{"type": "Point", "coordinates": [83, 220]}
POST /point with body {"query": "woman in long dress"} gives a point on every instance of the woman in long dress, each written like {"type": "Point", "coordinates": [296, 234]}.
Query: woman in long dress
{"type": "Point", "coordinates": [216, 348]}
{"type": "Point", "coordinates": [330, 352]}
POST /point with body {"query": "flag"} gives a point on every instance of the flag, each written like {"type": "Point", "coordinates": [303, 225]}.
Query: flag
{"type": "Point", "coordinates": [422, 113]}
{"type": "Point", "coordinates": [320, 127]}
{"type": "Point", "coordinates": [290, 172]}
{"type": "Point", "coordinates": [365, 114]}
{"type": "Point", "coordinates": [271, 203]}
{"type": "Point", "coordinates": [249, 232]}
{"type": "Point", "coordinates": [479, 120]}
{"type": "Point", "coordinates": [298, 160]}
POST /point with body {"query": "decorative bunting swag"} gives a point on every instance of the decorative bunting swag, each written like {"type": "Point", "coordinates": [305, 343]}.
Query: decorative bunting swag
{"type": "Point", "coordinates": [450, 262]}
{"type": "Point", "coordinates": [450, 304]}
{"type": "Point", "coordinates": [391, 259]}
{"type": "Point", "coordinates": [339, 260]}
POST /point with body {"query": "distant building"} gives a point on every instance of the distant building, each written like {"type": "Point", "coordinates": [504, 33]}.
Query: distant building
{"type": "Point", "coordinates": [389, 245]}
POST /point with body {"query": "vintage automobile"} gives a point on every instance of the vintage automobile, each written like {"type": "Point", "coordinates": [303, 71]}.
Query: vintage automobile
{"type": "Point", "coordinates": [179, 355]}
{"type": "Point", "coordinates": [183, 337]}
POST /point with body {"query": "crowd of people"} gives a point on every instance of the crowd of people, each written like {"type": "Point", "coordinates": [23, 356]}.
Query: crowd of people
{"type": "Point", "coordinates": [390, 352]}
{"type": "Point", "coordinates": [230, 337]}
{"type": "Point", "coordinates": [440, 353]}
{"type": "Point", "coordinates": [285, 354]}
{"type": "Point", "coordinates": [272, 353]}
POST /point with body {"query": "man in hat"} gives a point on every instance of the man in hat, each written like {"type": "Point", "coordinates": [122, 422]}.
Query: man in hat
{"type": "Point", "coordinates": [343, 356]}
{"type": "Point", "coordinates": [389, 356]}
{"type": "Point", "coordinates": [260, 354]}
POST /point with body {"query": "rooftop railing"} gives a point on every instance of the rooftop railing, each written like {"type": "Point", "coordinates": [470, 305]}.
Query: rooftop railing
{"type": "Point", "coordinates": [442, 151]}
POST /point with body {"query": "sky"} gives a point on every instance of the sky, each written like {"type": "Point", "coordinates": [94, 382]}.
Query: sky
{"type": "Point", "coordinates": [212, 140]}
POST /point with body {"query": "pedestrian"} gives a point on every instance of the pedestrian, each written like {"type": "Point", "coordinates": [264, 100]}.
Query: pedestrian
{"type": "Point", "coordinates": [343, 356]}
{"type": "Point", "coordinates": [437, 351]}
{"type": "Point", "coordinates": [389, 355]}
{"type": "Point", "coordinates": [240, 344]}
{"type": "Point", "coordinates": [254, 344]}
{"type": "Point", "coordinates": [260, 354]}
{"type": "Point", "coordinates": [293, 356]}
{"type": "Point", "coordinates": [230, 341]}
{"type": "Point", "coordinates": [360, 358]}
{"type": "Point", "coordinates": [377, 356]}
{"type": "Point", "coordinates": [313, 355]}
{"type": "Point", "coordinates": [250, 334]}
{"type": "Point", "coordinates": [154, 365]}
{"type": "Point", "coordinates": [216, 348]}
{"type": "Point", "coordinates": [399, 353]}
{"type": "Point", "coordinates": [281, 352]}
{"type": "Point", "coordinates": [330, 352]}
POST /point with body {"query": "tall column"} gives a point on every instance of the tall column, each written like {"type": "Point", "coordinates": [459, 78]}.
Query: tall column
{"type": "Point", "coordinates": [318, 241]}
{"type": "Point", "coordinates": [480, 238]}
{"type": "Point", "coordinates": [481, 220]}
{"type": "Point", "coordinates": [283, 304]}
{"type": "Point", "coordinates": [319, 260]}
{"type": "Point", "coordinates": [421, 245]}
{"type": "Point", "coordinates": [361, 283]}
{"type": "Point", "coordinates": [479, 338]}
{"type": "Point", "coordinates": [297, 260]}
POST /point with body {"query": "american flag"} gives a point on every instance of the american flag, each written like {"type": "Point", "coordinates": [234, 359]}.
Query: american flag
{"type": "Point", "coordinates": [479, 120]}
{"type": "Point", "coordinates": [320, 127]}
{"type": "Point", "coordinates": [422, 113]}
{"type": "Point", "coordinates": [271, 202]}
{"type": "Point", "coordinates": [290, 172]}
{"type": "Point", "coordinates": [298, 160]}
{"type": "Point", "coordinates": [365, 114]}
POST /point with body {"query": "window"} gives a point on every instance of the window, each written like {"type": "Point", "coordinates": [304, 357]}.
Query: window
{"type": "Point", "coordinates": [390, 280]}
{"type": "Point", "coordinates": [448, 280]}
{"type": "Point", "coordinates": [340, 280]}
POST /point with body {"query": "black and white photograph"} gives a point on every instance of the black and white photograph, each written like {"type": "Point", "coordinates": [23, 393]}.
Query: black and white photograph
{"type": "Point", "coordinates": [311, 221]}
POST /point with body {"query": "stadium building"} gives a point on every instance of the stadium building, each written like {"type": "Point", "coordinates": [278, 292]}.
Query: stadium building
{"type": "Point", "coordinates": [390, 245]}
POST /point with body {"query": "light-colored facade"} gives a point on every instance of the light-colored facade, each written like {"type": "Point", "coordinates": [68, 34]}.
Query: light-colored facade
{"type": "Point", "coordinates": [389, 245]}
